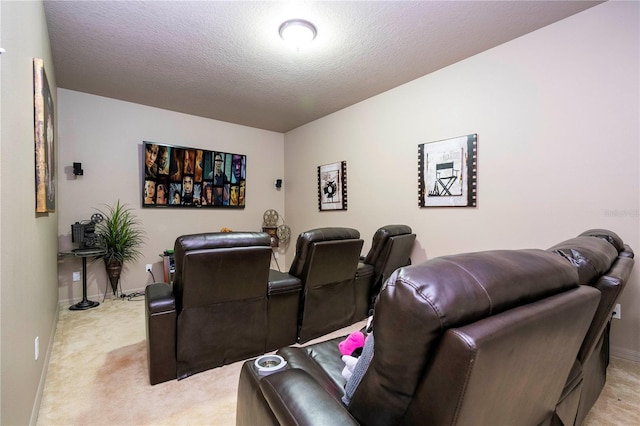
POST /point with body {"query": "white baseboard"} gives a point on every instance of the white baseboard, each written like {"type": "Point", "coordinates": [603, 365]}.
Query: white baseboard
{"type": "Point", "coordinates": [45, 369]}
{"type": "Point", "coordinates": [98, 297]}
{"type": "Point", "coordinates": [625, 353]}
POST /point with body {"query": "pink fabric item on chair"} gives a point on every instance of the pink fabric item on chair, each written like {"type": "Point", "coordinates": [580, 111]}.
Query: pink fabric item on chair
{"type": "Point", "coordinates": [353, 341]}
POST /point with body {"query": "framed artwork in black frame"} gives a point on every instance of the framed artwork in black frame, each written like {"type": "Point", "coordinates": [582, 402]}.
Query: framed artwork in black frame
{"type": "Point", "coordinates": [448, 172]}
{"type": "Point", "coordinates": [332, 186]}
{"type": "Point", "coordinates": [177, 176]}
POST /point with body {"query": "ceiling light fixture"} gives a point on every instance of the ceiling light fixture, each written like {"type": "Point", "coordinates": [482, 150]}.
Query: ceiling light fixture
{"type": "Point", "coordinates": [297, 32]}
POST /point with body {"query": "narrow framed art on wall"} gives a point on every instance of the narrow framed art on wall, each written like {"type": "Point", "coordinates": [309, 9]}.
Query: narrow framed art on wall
{"type": "Point", "coordinates": [448, 172]}
{"type": "Point", "coordinates": [44, 133]}
{"type": "Point", "coordinates": [332, 186]}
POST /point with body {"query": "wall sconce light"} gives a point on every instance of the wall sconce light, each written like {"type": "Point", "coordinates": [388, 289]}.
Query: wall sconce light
{"type": "Point", "coordinates": [77, 169]}
{"type": "Point", "coordinates": [297, 32]}
{"type": "Point", "coordinates": [278, 183]}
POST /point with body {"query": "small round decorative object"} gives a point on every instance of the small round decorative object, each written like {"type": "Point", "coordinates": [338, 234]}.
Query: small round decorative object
{"type": "Point", "coordinates": [267, 364]}
{"type": "Point", "coordinates": [270, 217]}
{"type": "Point", "coordinates": [96, 218]}
{"type": "Point", "coordinates": [283, 233]}
{"type": "Point", "coordinates": [330, 189]}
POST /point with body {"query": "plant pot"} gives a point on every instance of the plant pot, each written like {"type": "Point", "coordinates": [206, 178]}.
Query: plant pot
{"type": "Point", "coordinates": [114, 268]}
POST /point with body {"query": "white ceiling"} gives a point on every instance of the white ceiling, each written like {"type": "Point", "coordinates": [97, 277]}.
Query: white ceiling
{"type": "Point", "coordinates": [224, 59]}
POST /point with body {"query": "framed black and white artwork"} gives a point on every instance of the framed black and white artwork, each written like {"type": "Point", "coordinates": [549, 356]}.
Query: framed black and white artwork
{"type": "Point", "coordinates": [448, 172]}
{"type": "Point", "coordinates": [332, 186]}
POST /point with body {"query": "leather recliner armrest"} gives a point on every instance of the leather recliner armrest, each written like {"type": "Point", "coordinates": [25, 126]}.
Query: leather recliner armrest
{"type": "Point", "coordinates": [295, 398]}
{"type": "Point", "coordinates": [627, 252]}
{"type": "Point", "coordinates": [160, 320]}
{"type": "Point", "coordinates": [160, 298]}
{"type": "Point", "coordinates": [283, 301]}
{"type": "Point", "coordinates": [281, 282]}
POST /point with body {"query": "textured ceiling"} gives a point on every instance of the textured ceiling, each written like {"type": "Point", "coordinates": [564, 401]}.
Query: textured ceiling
{"type": "Point", "coordinates": [224, 59]}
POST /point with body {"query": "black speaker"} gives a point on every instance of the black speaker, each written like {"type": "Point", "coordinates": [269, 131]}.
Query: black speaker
{"type": "Point", "coordinates": [278, 183]}
{"type": "Point", "coordinates": [77, 169]}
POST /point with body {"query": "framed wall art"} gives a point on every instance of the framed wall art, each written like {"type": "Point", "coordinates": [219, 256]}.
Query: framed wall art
{"type": "Point", "coordinates": [332, 186]}
{"type": "Point", "coordinates": [176, 176]}
{"type": "Point", "coordinates": [44, 133]}
{"type": "Point", "coordinates": [448, 172]}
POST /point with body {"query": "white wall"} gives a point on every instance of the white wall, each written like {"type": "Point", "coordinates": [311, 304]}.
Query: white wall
{"type": "Point", "coordinates": [106, 136]}
{"type": "Point", "coordinates": [557, 117]}
{"type": "Point", "coordinates": [28, 243]}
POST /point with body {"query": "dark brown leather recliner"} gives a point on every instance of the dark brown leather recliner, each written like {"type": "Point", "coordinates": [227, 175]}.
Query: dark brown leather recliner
{"type": "Point", "coordinates": [217, 310]}
{"type": "Point", "coordinates": [604, 262]}
{"type": "Point", "coordinates": [390, 249]}
{"type": "Point", "coordinates": [478, 338]}
{"type": "Point", "coordinates": [325, 263]}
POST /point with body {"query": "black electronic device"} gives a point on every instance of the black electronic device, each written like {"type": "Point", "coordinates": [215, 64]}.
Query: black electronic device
{"type": "Point", "coordinates": [84, 233]}
{"type": "Point", "coordinates": [77, 169]}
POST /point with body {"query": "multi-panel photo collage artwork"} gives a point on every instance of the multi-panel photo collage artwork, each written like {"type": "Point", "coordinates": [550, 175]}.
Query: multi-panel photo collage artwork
{"type": "Point", "coordinates": [189, 177]}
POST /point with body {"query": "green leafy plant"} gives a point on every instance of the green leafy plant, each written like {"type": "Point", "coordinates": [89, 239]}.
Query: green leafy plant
{"type": "Point", "coordinates": [121, 236]}
{"type": "Point", "coordinates": [120, 233]}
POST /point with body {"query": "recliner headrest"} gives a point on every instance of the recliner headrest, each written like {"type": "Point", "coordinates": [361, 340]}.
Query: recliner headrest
{"type": "Point", "coordinates": [607, 235]}
{"type": "Point", "coordinates": [307, 238]}
{"type": "Point", "coordinates": [591, 256]}
{"type": "Point", "coordinates": [214, 240]}
{"type": "Point", "coordinates": [380, 237]}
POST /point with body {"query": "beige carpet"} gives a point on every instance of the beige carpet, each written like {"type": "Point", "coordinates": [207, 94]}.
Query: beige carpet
{"type": "Point", "coordinates": [619, 402]}
{"type": "Point", "coordinates": [98, 376]}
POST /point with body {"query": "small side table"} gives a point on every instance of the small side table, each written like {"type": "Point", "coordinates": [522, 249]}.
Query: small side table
{"type": "Point", "coordinates": [83, 253]}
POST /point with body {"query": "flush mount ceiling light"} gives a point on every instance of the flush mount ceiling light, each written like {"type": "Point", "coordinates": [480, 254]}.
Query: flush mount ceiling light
{"type": "Point", "coordinates": [297, 32]}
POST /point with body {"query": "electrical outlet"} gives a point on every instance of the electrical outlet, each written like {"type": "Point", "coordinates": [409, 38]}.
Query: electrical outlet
{"type": "Point", "coordinates": [76, 276]}
{"type": "Point", "coordinates": [617, 311]}
{"type": "Point", "coordinates": [148, 267]}
{"type": "Point", "coordinates": [36, 346]}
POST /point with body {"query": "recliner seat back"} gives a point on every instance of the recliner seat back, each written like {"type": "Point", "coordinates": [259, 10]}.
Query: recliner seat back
{"type": "Point", "coordinates": [326, 260]}
{"type": "Point", "coordinates": [221, 295]}
{"type": "Point", "coordinates": [398, 254]}
{"type": "Point", "coordinates": [203, 270]}
{"type": "Point", "coordinates": [603, 262]}
{"type": "Point", "coordinates": [390, 249]}
{"type": "Point", "coordinates": [419, 304]}
{"type": "Point", "coordinates": [596, 257]}
{"type": "Point", "coordinates": [505, 358]}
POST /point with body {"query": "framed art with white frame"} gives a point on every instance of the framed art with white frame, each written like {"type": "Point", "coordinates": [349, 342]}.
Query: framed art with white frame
{"type": "Point", "coordinates": [332, 186]}
{"type": "Point", "coordinates": [448, 172]}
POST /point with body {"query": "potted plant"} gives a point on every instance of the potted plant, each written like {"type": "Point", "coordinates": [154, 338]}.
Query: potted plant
{"type": "Point", "coordinates": [121, 237]}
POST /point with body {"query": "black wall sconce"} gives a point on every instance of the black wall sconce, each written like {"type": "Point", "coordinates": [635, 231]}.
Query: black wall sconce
{"type": "Point", "coordinates": [278, 183]}
{"type": "Point", "coordinates": [77, 169]}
